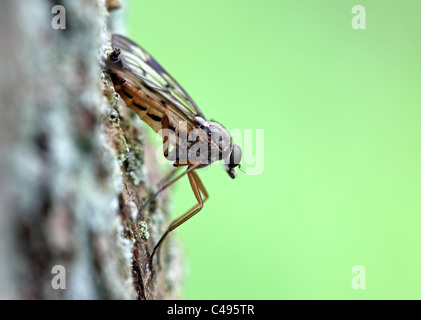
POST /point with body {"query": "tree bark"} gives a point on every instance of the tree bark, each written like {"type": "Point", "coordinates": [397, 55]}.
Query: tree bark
{"type": "Point", "coordinates": [74, 164]}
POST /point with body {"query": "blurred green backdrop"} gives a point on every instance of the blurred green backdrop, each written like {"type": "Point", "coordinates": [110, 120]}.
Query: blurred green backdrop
{"type": "Point", "coordinates": [340, 109]}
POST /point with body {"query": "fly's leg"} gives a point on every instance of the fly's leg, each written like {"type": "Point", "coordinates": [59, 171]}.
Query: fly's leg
{"type": "Point", "coordinates": [195, 182]}
{"type": "Point", "coordinates": [165, 186]}
{"type": "Point", "coordinates": [168, 176]}
{"type": "Point", "coordinates": [198, 188]}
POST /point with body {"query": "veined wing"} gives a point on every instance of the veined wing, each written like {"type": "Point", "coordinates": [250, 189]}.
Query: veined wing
{"type": "Point", "coordinates": [150, 73]}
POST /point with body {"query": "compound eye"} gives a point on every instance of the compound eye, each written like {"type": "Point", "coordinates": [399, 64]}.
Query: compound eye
{"type": "Point", "coordinates": [235, 156]}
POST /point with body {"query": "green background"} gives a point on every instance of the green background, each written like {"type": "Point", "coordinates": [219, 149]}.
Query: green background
{"type": "Point", "coordinates": [340, 109]}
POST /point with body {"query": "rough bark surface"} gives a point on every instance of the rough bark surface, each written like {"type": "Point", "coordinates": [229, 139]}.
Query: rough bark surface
{"type": "Point", "coordinates": [74, 165]}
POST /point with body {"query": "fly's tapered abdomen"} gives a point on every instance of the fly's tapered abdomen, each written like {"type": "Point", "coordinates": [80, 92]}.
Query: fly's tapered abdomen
{"type": "Point", "coordinates": [149, 109]}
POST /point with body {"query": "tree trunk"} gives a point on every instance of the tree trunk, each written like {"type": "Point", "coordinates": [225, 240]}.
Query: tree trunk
{"type": "Point", "coordinates": [74, 165]}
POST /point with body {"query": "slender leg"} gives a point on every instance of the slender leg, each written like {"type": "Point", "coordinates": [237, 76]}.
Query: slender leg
{"type": "Point", "coordinates": [198, 188]}
{"type": "Point", "coordinates": [169, 175]}
{"type": "Point", "coordinates": [166, 185]}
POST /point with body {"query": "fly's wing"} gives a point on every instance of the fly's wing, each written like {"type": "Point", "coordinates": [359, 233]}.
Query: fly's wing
{"type": "Point", "coordinates": [147, 71]}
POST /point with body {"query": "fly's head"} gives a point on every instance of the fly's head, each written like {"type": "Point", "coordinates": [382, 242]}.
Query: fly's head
{"type": "Point", "coordinates": [227, 151]}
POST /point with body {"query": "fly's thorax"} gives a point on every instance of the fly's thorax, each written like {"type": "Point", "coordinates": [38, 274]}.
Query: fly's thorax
{"type": "Point", "coordinates": [219, 136]}
{"type": "Point", "coordinates": [230, 153]}
{"type": "Point", "coordinates": [209, 142]}
{"type": "Point", "coordinates": [200, 148]}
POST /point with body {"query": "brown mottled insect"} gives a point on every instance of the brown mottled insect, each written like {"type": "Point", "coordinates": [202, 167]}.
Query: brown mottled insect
{"type": "Point", "coordinates": [159, 100]}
